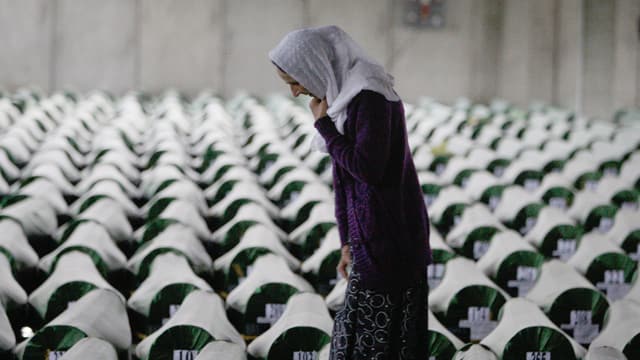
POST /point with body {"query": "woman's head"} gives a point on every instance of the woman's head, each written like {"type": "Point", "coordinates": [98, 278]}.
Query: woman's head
{"type": "Point", "coordinates": [326, 63]}
{"type": "Point", "coordinates": [305, 56]}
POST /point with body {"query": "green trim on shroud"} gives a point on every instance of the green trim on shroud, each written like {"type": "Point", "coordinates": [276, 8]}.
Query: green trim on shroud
{"type": "Point", "coordinates": [463, 176]}
{"type": "Point", "coordinates": [626, 198]}
{"type": "Point", "coordinates": [549, 246]}
{"type": "Point", "coordinates": [271, 293]}
{"type": "Point", "coordinates": [234, 207]}
{"type": "Point", "coordinates": [631, 244]}
{"type": "Point", "coordinates": [172, 294]}
{"type": "Point", "coordinates": [10, 259]}
{"type": "Point", "coordinates": [526, 218]}
{"type": "Point", "coordinates": [554, 166]}
{"type": "Point", "coordinates": [71, 226]}
{"type": "Point", "coordinates": [538, 339]}
{"type": "Point", "coordinates": [63, 295]}
{"type": "Point", "coordinates": [165, 184]}
{"type": "Point", "coordinates": [439, 346]}
{"type": "Point", "coordinates": [632, 348]}
{"type": "Point", "coordinates": [554, 195]}
{"type": "Point", "coordinates": [95, 257]}
{"type": "Point", "coordinates": [497, 166]}
{"type": "Point", "coordinates": [223, 190]}
{"type": "Point", "coordinates": [145, 264]}
{"type": "Point", "coordinates": [303, 339]}
{"type": "Point", "coordinates": [238, 267]}
{"type": "Point", "coordinates": [327, 272]}
{"type": "Point", "coordinates": [304, 213]}
{"type": "Point", "coordinates": [265, 161]}
{"type": "Point", "coordinates": [153, 160]}
{"type": "Point", "coordinates": [155, 228]}
{"type": "Point", "coordinates": [289, 190]}
{"type": "Point", "coordinates": [52, 338]}
{"type": "Point", "coordinates": [220, 173]}
{"type": "Point", "coordinates": [180, 337]}
{"type": "Point", "coordinates": [12, 199]}
{"type": "Point", "coordinates": [235, 233]}
{"type": "Point", "coordinates": [437, 269]}
{"type": "Point", "coordinates": [528, 175]}
{"type": "Point", "coordinates": [158, 207]}
{"type": "Point", "coordinates": [209, 157]}
{"type": "Point", "coordinates": [92, 200]}
{"type": "Point", "coordinates": [483, 234]}
{"type": "Point", "coordinates": [439, 164]}
{"type": "Point", "coordinates": [589, 177]}
{"type": "Point", "coordinates": [279, 174]}
{"type": "Point", "coordinates": [610, 167]}
{"type": "Point", "coordinates": [579, 299]}
{"type": "Point", "coordinates": [492, 195]}
{"type": "Point", "coordinates": [312, 241]}
{"type": "Point", "coordinates": [613, 273]}
{"type": "Point", "coordinates": [598, 215]}
{"type": "Point", "coordinates": [479, 296]}
{"type": "Point", "coordinates": [449, 216]}
{"type": "Point", "coordinates": [508, 272]}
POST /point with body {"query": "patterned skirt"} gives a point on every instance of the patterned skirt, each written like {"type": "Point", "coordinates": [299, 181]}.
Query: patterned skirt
{"type": "Point", "coordinates": [381, 326]}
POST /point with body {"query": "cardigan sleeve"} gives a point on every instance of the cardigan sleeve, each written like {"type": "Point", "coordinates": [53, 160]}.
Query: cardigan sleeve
{"type": "Point", "coordinates": [365, 158]}
{"type": "Point", "coordinates": [340, 208]}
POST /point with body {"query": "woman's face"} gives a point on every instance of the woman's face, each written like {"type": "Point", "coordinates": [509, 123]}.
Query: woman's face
{"type": "Point", "coordinates": [294, 86]}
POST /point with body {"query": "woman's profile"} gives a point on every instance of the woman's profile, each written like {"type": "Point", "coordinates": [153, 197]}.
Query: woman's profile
{"type": "Point", "coordinates": [379, 207]}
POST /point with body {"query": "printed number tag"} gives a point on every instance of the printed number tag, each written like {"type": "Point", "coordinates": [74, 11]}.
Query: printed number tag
{"type": "Point", "coordinates": [565, 249]}
{"type": "Point", "coordinates": [55, 355]}
{"type": "Point", "coordinates": [580, 323]}
{"type": "Point", "coordinates": [435, 273]}
{"type": "Point", "coordinates": [173, 308]}
{"type": "Point", "coordinates": [479, 322]}
{"type": "Point", "coordinates": [538, 355]}
{"type": "Point", "coordinates": [605, 224]}
{"type": "Point", "coordinates": [636, 255]}
{"type": "Point", "coordinates": [272, 313]}
{"type": "Point", "coordinates": [614, 285]}
{"type": "Point", "coordinates": [185, 354]}
{"type": "Point", "coordinates": [525, 279]}
{"type": "Point", "coordinates": [480, 248]}
{"type": "Point", "coordinates": [531, 184]}
{"type": "Point", "coordinates": [558, 202]}
{"type": "Point", "coordinates": [305, 355]}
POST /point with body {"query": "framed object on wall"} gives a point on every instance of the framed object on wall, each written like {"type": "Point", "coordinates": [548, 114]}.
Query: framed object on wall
{"type": "Point", "coordinates": [425, 13]}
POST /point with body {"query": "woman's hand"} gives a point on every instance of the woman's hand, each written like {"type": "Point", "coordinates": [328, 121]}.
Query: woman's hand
{"type": "Point", "coordinates": [345, 260]}
{"type": "Point", "coordinates": [318, 107]}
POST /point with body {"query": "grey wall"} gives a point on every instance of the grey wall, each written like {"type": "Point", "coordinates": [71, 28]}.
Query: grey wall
{"type": "Point", "coordinates": [580, 54]}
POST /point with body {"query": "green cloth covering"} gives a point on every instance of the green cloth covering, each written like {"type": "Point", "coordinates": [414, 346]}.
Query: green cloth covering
{"type": "Point", "coordinates": [181, 337]}
{"type": "Point", "coordinates": [579, 299]}
{"type": "Point", "coordinates": [298, 339]}
{"type": "Point", "coordinates": [479, 296]}
{"type": "Point", "coordinates": [52, 338]}
{"type": "Point", "coordinates": [538, 339]}
{"type": "Point", "coordinates": [69, 292]}
{"type": "Point", "coordinates": [272, 293]}
{"type": "Point", "coordinates": [507, 274]}
{"type": "Point", "coordinates": [440, 348]}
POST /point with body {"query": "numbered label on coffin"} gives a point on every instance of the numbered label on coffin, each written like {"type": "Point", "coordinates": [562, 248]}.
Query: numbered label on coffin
{"type": "Point", "coordinates": [437, 268]}
{"type": "Point", "coordinates": [580, 312]}
{"type": "Point", "coordinates": [185, 354]}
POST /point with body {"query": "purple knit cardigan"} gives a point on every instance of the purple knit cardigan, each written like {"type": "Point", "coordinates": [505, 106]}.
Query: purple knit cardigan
{"type": "Point", "coordinates": [379, 203]}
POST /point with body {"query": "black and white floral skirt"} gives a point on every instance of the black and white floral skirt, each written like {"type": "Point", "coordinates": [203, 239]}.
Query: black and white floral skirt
{"type": "Point", "coordinates": [381, 326]}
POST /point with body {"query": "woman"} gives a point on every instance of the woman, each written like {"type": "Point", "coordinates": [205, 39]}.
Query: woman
{"type": "Point", "coordinates": [382, 219]}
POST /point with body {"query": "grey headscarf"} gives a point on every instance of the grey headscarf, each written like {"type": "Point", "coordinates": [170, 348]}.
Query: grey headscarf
{"type": "Point", "coordinates": [329, 63]}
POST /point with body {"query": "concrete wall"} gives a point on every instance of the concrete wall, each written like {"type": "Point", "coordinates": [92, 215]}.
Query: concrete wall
{"type": "Point", "coordinates": [580, 54]}
{"type": "Point", "coordinates": [26, 43]}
